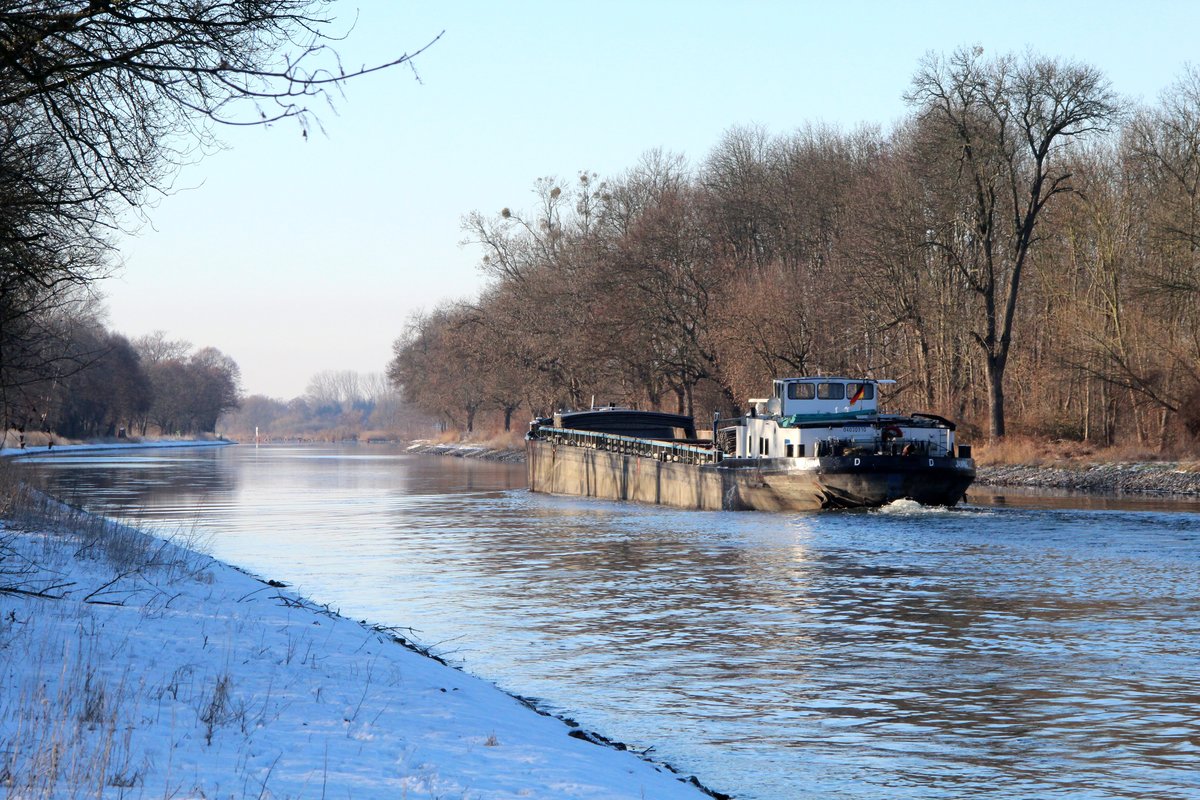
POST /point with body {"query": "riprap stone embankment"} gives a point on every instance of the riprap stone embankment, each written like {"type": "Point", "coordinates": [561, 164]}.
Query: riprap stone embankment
{"type": "Point", "coordinates": [1143, 477]}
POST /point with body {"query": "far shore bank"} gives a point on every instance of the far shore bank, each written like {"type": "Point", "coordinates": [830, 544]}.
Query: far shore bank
{"type": "Point", "coordinates": [1117, 477]}
{"type": "Point", "coordinates": [480, 450]}
{"type": "Point", "coordinates": [99, 447]}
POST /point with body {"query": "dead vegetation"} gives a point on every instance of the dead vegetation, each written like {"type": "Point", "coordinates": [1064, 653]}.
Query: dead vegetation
{"type": "Point", "coordinates": [1065, 453]}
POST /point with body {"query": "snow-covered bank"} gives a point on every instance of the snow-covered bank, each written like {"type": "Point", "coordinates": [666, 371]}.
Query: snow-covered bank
{"type": "Point", "coordinates": [134, 667]}
{"type": "Point", "coordinates": [467, 450]}
{"type": "Point", "coordinates": [103, 447]}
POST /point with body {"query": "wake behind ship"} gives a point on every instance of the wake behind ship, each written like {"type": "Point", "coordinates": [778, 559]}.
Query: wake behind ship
{"type": "Point", "coordinates": [816, 443]}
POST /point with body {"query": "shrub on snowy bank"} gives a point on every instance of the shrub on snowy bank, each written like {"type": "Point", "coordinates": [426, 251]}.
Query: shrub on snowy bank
{"type": "Point", "coordinates": [64, 713]}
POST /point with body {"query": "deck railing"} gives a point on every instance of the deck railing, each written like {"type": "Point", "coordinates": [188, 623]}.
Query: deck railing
{"type": "Point", "coordinates": [833, 446]}
{"type": "Point", "coordinates": [627, 445]}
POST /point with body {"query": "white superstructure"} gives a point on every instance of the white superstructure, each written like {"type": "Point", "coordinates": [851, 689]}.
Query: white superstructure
{"type": "Point", "coordinates": [827, 416]}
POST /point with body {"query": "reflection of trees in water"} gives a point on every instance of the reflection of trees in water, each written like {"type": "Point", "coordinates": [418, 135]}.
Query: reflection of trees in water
{"type": "Point", "coordinates": [126, 486]}
{"type": "Point", "coordinates": [449, 475]}
{"type": "Point", "coordinates": [137, 483]}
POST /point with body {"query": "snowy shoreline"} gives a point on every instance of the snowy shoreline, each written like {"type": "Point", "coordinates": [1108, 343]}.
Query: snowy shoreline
{"type": "Point", "coordinates": [511, 455]}
{"type": "Point", "coordinates": [131, 663]}
{"type": "Point", "coordinates": [108, 447]}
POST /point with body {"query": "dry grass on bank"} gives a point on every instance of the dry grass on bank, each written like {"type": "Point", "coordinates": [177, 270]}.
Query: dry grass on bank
{"type": "Point", "coordinates": [126, 550]}
{"type": "Point", "coordinates": [494, 440]}
{"type": "Point", "coordinates": [10, 488]}
{"type": "Point", "coordinates": [59, 720]}
{"type": "Point", "coordinates": [1063, 453]}
{"type": "Point", "coordinates": [35, 440]}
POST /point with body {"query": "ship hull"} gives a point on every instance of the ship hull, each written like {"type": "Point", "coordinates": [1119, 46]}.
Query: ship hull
{"type": "Point", "coordinates": [758, 484]}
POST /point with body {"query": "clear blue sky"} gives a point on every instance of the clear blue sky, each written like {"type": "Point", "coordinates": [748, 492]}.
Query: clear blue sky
{"type": "Point", "coordinates": [298, 256]}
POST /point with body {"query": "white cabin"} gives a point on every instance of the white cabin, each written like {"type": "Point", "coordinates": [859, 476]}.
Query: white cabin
{"type": "Point", "coordinates": [841, 396]}
{"type": "Point", "coordinates": [829, 416]}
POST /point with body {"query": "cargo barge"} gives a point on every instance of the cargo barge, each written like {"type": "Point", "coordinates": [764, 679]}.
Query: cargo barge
{"type": "Point", "coordinates": [815, 443]}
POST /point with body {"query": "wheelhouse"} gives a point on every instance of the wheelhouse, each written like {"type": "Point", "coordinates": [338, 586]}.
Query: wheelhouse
{"type": "Point", "coordinates": [804, 397]}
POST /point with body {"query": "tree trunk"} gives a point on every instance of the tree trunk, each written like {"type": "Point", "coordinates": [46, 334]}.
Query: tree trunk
{"type": "Point", "coordinates": [1110, 416]}
{"type": "Point", "coordinates": [1137, 418]}
{"type": "Point", "coordinates": [923, 363]}
{"type": "Point", "coordinates": [995, 376]}
{"type": "Point", "coordinates": [1087, 410]}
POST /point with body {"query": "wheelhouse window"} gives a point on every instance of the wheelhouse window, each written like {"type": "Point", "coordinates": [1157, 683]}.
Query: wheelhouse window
{"type": "Point", "coordinates": [831, 391]}
{"type": "Point", "coordinates": [868, 390]}
{"type": "Point", "coordinates": [801, 391]}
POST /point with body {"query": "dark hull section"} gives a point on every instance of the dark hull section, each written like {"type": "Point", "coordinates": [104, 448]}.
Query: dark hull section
{"type": "Point", "coordinates": [857, 481]}
{"type": "Point", "coordinates": [760, 484]}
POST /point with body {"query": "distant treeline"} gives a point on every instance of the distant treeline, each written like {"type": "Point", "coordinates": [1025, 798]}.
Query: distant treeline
{"type": "Point", "coordinates": [107, 385]}
{"type": "Point", "coordinates": [102, 384]}
{"type": "Point", "coordinates": [338, 405]}
{"type": "Point", "coordinates": [1019, 253]}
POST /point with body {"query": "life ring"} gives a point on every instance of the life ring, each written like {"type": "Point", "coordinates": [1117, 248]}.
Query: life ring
{"type": "Point", "coordinates": [892, 432]}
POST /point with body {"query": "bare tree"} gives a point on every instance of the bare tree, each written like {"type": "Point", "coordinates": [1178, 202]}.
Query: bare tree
{"type": "Point", "coordinates": [1001, 126]}
{"type": "Point", "coordinates": [102, 100]}
{"type": "Point", "coordinates": [439, 365]}
{"type": "Point", "coordinates": [155, 347]}
{"type": "Point", "coordinates": [124, 85]}
{"type": "Point", "coordinates": [1152, 346]}
{"type": "Point", "coordinates": [670, 285]}
{"type": "Point", "coordinates": [109, 392]}
{"type": "Point", "coordinates": [190, 394]}
{"type": "Point", "coordinates": [50, 253]}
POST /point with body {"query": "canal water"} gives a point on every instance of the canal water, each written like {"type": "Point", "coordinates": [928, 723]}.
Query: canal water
{"type": "Point", "coordinates": [1018, 647]}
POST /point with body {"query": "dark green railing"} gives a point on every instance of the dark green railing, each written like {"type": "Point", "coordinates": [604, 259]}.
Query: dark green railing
{"type": "Point", "coordinates": [627, 445]}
